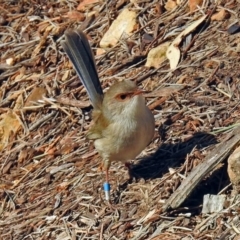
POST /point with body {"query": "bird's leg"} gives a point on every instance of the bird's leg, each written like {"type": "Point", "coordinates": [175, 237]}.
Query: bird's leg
{"type": "Point", "coordinates": [106, 185]}
{"type": "Point", "coordinates": [107, 178]}
{"type": "Point", "coordinates": [102, 168]}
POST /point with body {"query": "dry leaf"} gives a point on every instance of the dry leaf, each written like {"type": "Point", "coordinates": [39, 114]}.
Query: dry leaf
{"type": "Point", "coordinates": [68, 146]}
{"type": "Point", "coordinates": [5, 186]}
{"type": "Point", "coordinates": [56, 30]}
{"type": "Point", "coordinates": [173, 52]}
{"type": "Point", "coordinates": [25, 154]}
{"type": "Point", "coordinates": [35, 95]}
{"type": "Point", "coordinates": [9, 125]}
{"type": "Point", "coordinates": [19, 102]}
{"type": "Point", "coordinates": [66, 75]}
{"type": "Point", "coordinates": [221, 15]}
{"type": "Point", "coordinates": [170, 5]}
{"type": "Point", "coordinates": [51, 151]}
{"type": "Point", "coordinates": [100, 51]}
{"type": "Point", "coordinates": [165, 92]}
{"type": "Point", "coordinates": [84, 3]}
{"type": "Point", "coordinates": [7, 167]}
{"type": "Point", "coordinates": [181, 79]}
{"type": "Point", "coordinates": [73, 102]}
{"type": "Point", "coordinates": [193, 4]}
{"type": "Point", "coordinates": [76, 15]}
{"type": "Point", "coordinates": [157, 56]}
{"type": "Point", "coordinates": [67, 143]}
{"type": "Point", "coordinates": [31, 166]}
{"type": "Point", "coordinates": [124, 23]}
{"type": "Point", "coordinates": [42, 27]}
{"type": "Point", "coordinates": [20, 76]}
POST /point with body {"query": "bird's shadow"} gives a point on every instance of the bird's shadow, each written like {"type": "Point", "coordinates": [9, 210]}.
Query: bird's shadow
{"type": "Point", "coordinates": [173, 156]}
{"type": "Point", "coordinates": [170, 156]}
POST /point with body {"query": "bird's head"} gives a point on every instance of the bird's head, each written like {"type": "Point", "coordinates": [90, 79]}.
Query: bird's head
{"type": "Point", "coordinates": [122, 99]}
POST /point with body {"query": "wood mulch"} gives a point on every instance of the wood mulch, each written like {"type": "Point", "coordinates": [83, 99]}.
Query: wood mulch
{"type": "Point", "coordinates": [50, 182]}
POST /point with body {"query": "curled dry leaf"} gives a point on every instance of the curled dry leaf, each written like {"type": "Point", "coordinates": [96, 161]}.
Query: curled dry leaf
{"type": "Point", "coordinates": [221, 15]}
{"type": "Point", "coordinates": [173, 52]}
{"type": "Point", "coordinates": [193, 4]}
{"type": "Point", "coordinates": [35, 95]}
{"type": "Point", "coordinates": [157, 55]}
{"type": "Point", "coordinates": [170, 5]}
{"type": "Point", "coordinates": [76, 15]}
{"type": "Point", "coordinates": [124, 23]}
{"type": "Point", "coordinates": [9, 125]}
{"type": "Point", "coordinates": [84, 3]}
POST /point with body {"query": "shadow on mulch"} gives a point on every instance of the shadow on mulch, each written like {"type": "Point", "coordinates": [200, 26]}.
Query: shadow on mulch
{"type": "Point", "coordinates": [173, 155]}
{"type": "Point", "coordinates": [212, 184]}
{"type": "Point", "coordinates": [170, 156]}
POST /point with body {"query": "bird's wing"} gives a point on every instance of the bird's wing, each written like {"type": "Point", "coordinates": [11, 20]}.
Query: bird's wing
{"type": "Point", "coordinates": [99, 124]}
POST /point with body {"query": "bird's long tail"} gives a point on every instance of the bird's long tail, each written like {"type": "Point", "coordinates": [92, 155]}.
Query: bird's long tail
{"type": "Point", "coordinates": [79, 52]}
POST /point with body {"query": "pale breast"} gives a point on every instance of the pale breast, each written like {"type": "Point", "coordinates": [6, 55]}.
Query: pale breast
{"type": "Point", "coordinates": [125, 139]}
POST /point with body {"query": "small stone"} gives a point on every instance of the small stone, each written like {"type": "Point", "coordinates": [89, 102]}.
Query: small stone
{"type": "Point", "coordinates": [213, 203]}
{"type": "Point", "coordinates": [10, 61]}
{"type": "Point", "coordinates": [235, 28]}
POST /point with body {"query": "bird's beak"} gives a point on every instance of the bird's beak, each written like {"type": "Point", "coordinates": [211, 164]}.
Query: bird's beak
{"type": "Point", "coordinates": [138, 92]}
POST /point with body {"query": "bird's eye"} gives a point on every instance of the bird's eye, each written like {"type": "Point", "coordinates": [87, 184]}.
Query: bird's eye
{"type": "Point", "coordinates": [123, 96]}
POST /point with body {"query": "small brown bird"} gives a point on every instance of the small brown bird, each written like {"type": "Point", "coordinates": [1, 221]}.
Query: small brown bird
{"type": "Point", "coordinates": [122, 123]}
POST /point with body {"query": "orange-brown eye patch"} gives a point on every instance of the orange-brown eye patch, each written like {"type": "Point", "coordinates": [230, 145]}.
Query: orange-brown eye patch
{"type": "Point", "coordinates": [124, 96]}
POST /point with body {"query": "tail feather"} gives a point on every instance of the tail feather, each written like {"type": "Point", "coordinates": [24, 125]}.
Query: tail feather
{"type": "Point", "coordinates": [79, 52]}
